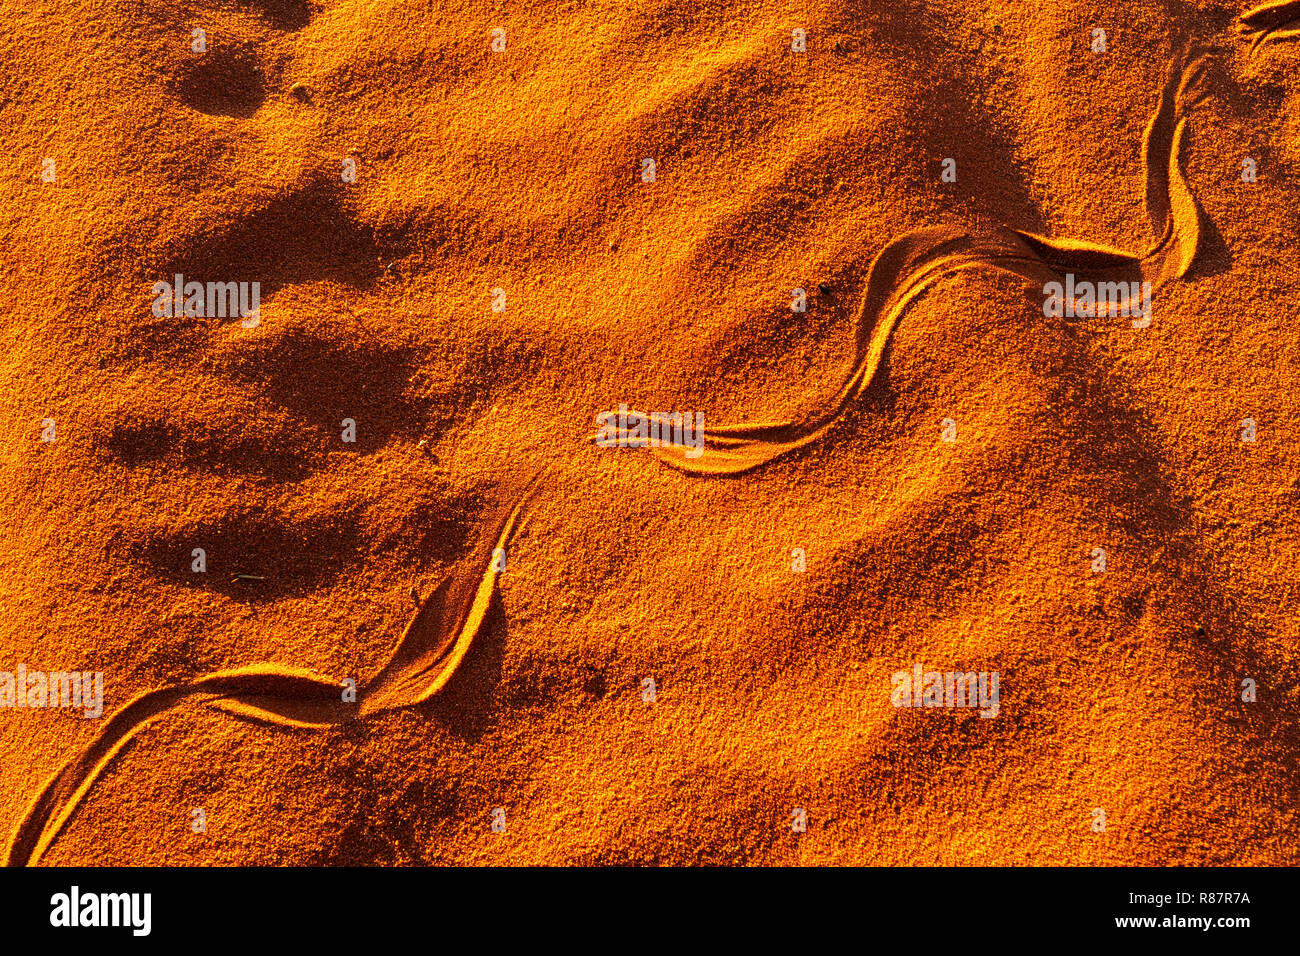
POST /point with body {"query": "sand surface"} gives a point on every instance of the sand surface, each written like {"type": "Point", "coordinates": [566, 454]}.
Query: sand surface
{"type": "Point", "coordinates": [827, 538]}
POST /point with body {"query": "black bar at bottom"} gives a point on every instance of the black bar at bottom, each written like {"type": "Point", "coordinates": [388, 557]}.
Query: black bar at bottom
{"type": "Point", "coordinates": [341, 907]}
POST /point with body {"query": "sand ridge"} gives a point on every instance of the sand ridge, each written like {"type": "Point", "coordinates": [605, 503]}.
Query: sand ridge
{"type": "Point", "coordinates": [1268, 22]}
{"type": "Point", "coordinates": [424, 660]}
{"type": "Point", "coordinates": [911, 264]}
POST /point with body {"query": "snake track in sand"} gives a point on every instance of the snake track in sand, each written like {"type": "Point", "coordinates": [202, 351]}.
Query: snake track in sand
{"type": "Point", "coordinates": [911, 264]}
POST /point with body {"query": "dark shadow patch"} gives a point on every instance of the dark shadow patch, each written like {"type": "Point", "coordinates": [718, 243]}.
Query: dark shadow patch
{"type": "Point", "coordinates": [466, 705]}
{"type": "Point", "coordinates": [305, 236]}
{"type": "Point", "coordinates": [140, 441]}
{"type": "Point", "coordinates": [1213, 256]}
{"type": "Point", "coordinates": [323, 382]}
{"type": "Point", "coordinates": [222, 83]}
{"type": "Point", "coordinates": [384, 823]}
{"type": "Point", "coordinates": [282, 14]}
{"type": "Point", "coordinates": [281, 557]}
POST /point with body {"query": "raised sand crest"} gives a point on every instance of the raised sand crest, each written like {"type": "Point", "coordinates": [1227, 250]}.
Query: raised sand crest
{"type": "Point", "coordinates": [908, 266]}
{"type": "Point", "coordinates": [426, 657]}
{"type": "Point", "coordinates": [1279, 20]}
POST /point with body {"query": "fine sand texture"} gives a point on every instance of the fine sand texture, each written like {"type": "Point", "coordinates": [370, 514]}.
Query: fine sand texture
{"type": "Point", "coordinates": [378, 574]}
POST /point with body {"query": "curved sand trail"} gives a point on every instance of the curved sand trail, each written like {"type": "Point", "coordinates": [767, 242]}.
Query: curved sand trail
{"type": "Point", "coordinates": [428, 654]}
{"type": "Point", "coordinates": [1279, 20]}
{"type": "Point", "coordinates": [910, 264]}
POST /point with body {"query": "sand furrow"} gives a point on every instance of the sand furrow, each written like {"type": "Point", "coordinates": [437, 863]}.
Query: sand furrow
{"type": "Point", "coordinates": [913, 263]}
{"type": "Point", "coordinates": [426, 657]}
{"type": "Point", "coordinates": [1279, 20]}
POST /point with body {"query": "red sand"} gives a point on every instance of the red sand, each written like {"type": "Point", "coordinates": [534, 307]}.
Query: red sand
{"type": "Point", "coordinates": [521, 171]}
